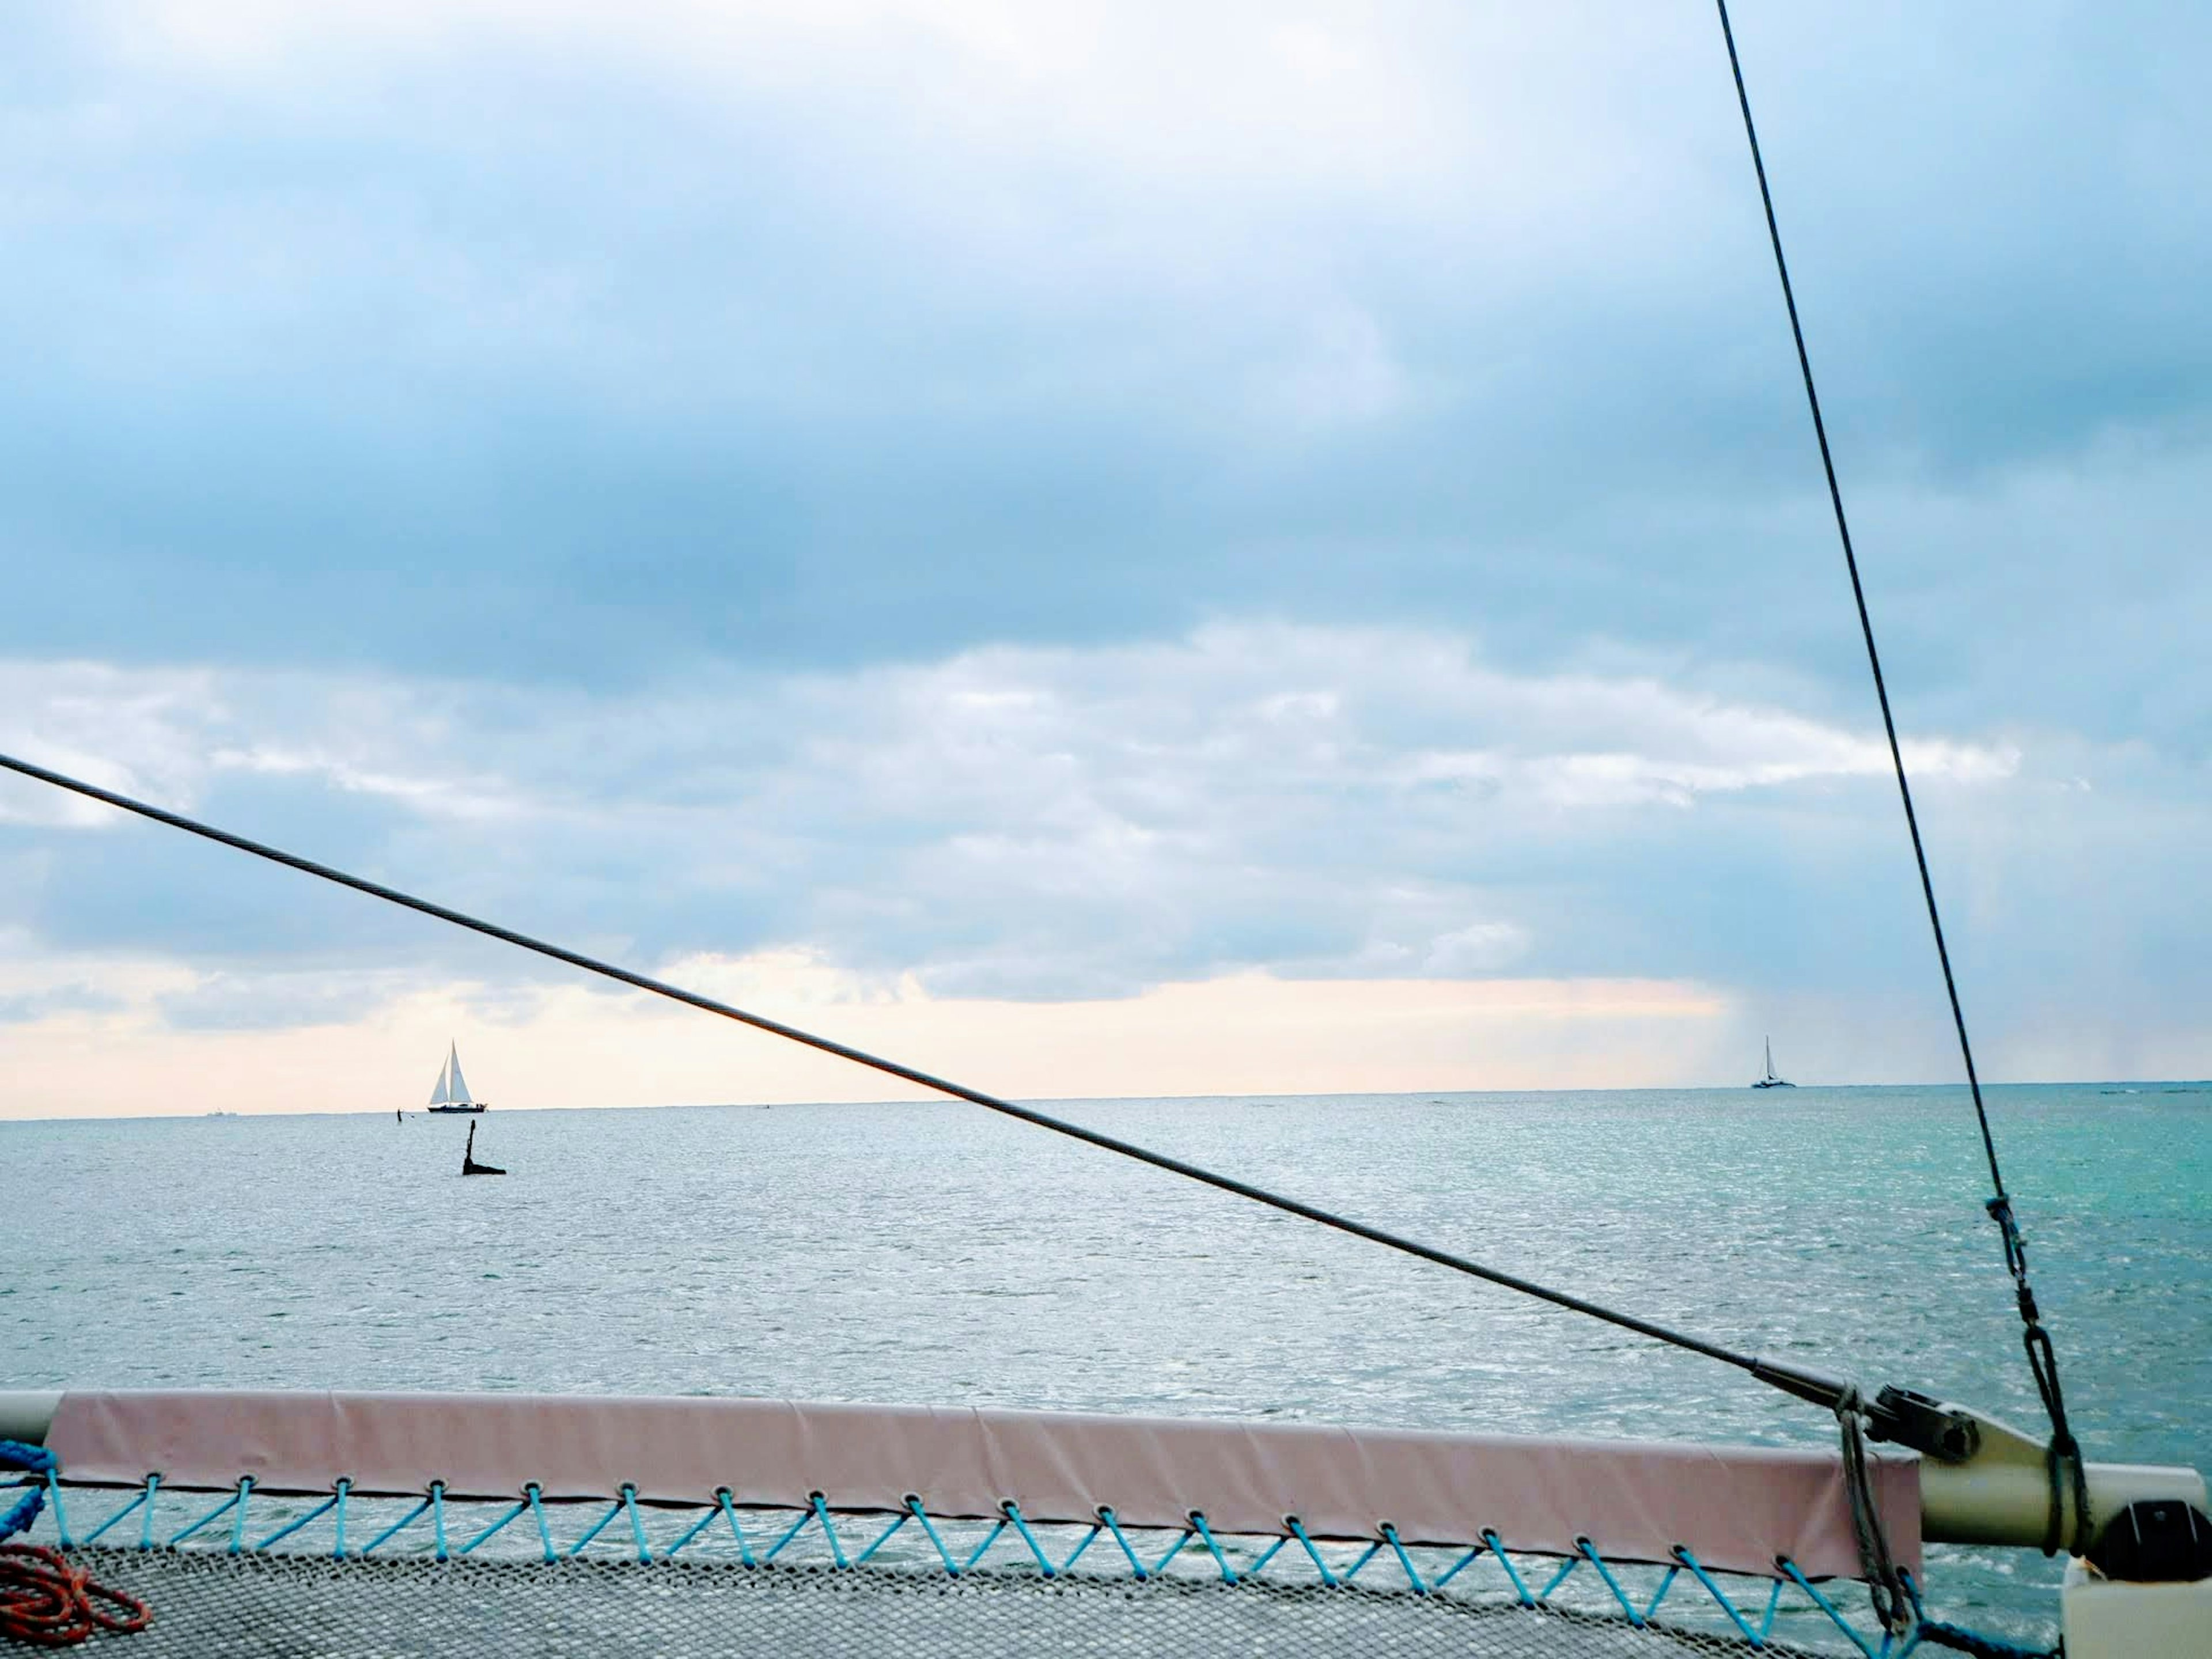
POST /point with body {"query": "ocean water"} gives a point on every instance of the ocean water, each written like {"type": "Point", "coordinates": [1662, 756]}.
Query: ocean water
{"type": "Point", "coordinates": [930, 1253]}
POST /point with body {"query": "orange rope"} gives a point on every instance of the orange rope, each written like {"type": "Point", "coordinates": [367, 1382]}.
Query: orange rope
{"type": "Point", "coordinates": [47, 1602]}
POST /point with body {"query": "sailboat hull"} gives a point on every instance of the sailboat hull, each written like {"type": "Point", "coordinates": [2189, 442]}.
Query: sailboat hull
{"type": "Point", "coordinates": [473, 1106]}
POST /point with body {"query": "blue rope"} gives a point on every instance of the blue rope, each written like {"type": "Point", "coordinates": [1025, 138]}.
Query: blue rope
{"type": "Point", "coordinates": [736, 1532]}
{"type": "Point", "coordinates": [1405, 1561]}
{"type": "Point", "coordinates": [1827, 1607]}
{"type": "Point", "coordinates": [238, 1520]}
{"type": "Point", "coordinates": [604, 1520]}
{"type": "Point", "coordinates": [1756, 1638]}
{"type": "Point", "coordinates": [882, 1538]}
{"type": "Point", "coordinates": [1474, 1554]}
{"type": "Point", "coordinates": [222, 1510]}
{"type": "Point", "coordinates": [286, 1530]}
{"type": "Point", "coordinates": [32, 1460]}
{"type": "Point", "coordinates": [1961, 1640]}
{"type": "Point", "coordinates": [1089, 1539]}
{"type": "Point", "coordinates": [697, 1527]}
{"type": "Point", "coordinates": [822, 1513]}
{"type": "Point", "coordinates": [1114, 1526]}
{"type": "Point", "coordinates": [520, 1505]}
{"type": "Point", "coordinates": [61, 1510]}
{"type": "Point", "coordinates": [1611, 1583]}
{"type": "Point", "coordinates": [1228, 1572]}
{"type": "Point", "coordinates": [1497, 1549]}
{"type": "Point", "coordinates": [1044, 1562]}
{"type": "Point", "coordinates": [388, 1534]}
{"type": "Point", "coordinates": [1660, 1595]}
{"type": "Point", "coordinates": [1957, 1637]}
{"type": "Point", "coordinates": [990, 1539]}
{"type": "Point", "coordinates": [776, 1549]}
{"type": "Point", "coordinates": [534, 1492]}
{"type": "Point", "coordinates": [98, 1532]}
{"type": "Point", "coordinates": [1328, 1578]}
{"type": "Point", "coordinates": [913, 1505]}
{"type": "Point", "coordinates": [1173, 1550]}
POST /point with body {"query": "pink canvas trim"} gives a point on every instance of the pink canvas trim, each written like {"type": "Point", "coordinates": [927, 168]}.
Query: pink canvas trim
{"type": "Point", "coordinates": [1737, 1507]}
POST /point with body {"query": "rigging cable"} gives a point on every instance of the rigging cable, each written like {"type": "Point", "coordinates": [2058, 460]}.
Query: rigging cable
{"type": "Point", "coordinates": [1823, 1391]}
{"type": "Point", "coordinates": [2064, 1453]}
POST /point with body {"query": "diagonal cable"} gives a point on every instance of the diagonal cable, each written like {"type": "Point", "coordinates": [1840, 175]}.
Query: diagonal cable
{"type": "Point", "coordinates": [1806, 1385]}
{"type": "Point", "coordinates": [2042, 1360]}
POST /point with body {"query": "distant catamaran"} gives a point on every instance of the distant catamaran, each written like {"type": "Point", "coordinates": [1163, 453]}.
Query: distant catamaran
{"type": "Point", "coordinates": [452, 1094]}
{"type": "Point", "coordinates": [1770, 1081]}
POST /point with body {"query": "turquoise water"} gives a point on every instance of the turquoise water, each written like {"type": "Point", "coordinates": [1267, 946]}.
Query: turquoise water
{"type": "Point", "coordinates": [937, 1252]}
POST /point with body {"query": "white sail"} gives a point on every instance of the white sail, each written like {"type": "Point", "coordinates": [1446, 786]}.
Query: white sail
{"type": "Point", "coordinates": [459, 1092]}
{"type": "Point", "coordinates": [1770, 1057]}
{"type": "Point", "coordinates": [441, 1093]}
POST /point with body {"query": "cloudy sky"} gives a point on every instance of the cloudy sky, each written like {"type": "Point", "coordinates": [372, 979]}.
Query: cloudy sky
{"type": "Point", "coordinates": [1110, 547]}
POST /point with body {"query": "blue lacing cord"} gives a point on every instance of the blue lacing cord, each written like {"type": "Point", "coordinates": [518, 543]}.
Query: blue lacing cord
{"type": "Point", "coordinates": [1298, 1530]}
{"type": "Point", "coordinates": [882, 1538]}
{"type": "Point", "coordinates": [1756, 1638]}
{"type": "Point", "coordinates": [1935, 1633]}
{"type": "Point", "coordinates": [42, 1464]}
{"type": "Point", "coordinates": [1405, 1561]}
{"type": "Point", "coordinates": [32, 1460]}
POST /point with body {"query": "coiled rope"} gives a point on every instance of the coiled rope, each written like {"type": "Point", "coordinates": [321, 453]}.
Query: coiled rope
{"type": "Point", "coordinates": [44, 1601]}
{"type": "Point", "coordinates": [2064, 1455]}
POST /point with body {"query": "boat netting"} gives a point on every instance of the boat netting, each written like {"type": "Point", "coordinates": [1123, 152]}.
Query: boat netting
{"type": "Point", "coordinates": [299, 1606]}
{"type": "Point", "coordinates": [237, 1575]}
{"type": "Point", "coordinates": [362, 1524]}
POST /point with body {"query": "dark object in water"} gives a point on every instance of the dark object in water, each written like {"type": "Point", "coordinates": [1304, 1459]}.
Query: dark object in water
{"type": "Point", "coordinates": [398, 1116]}
{"type": "Point", "coordinates": [469, 1164]}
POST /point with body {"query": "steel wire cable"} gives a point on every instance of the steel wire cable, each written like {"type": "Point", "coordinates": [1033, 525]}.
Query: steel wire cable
{"type": "Point", "coordinates": [2042, 1360]}
{"type": "Point", "coordinates": [1791, 1379]}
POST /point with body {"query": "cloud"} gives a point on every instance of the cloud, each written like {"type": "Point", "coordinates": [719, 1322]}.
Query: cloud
{"type": "Point", "coordinates": [1004, 499]}
{"type": "Point", "coordinates": [1014, 821]}
{"type": "Point", "coordinates": [560, 343]}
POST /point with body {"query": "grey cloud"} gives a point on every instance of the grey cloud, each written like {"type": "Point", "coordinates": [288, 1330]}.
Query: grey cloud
{"type": "Point", "coordinates": [568, 353]}
{"type": "Point", "coordinates": [600, 473]}
{"type": "Point", "coordinates": [1045, 821]}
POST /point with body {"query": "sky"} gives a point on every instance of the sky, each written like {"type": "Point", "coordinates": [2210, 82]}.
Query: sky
{"type": "Point", "coordinates": [1105, 549]}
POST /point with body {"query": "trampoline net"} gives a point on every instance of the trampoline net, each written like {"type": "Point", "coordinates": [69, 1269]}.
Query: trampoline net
{"type": "Point", "coordinates": [619, 1588]}
{"type": "Point", "coordinates": [296, 1606]}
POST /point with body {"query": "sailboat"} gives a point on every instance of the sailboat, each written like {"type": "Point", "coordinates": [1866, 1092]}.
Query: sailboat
{"type": "Point", "coordinates": [451, 1092]}
{"type": "Point", "coordinates": [1770, 1081]}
